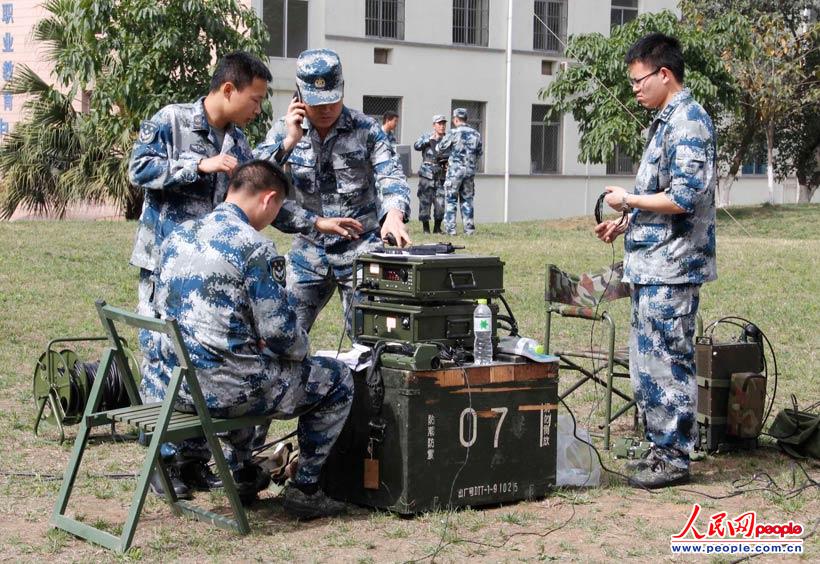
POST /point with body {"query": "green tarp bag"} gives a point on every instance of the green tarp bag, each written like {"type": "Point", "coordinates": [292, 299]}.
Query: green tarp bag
{"type": "Point", "coordinates": [798, 432]}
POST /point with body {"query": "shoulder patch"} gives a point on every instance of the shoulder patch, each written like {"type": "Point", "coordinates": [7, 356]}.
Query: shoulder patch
{"type": "Point", "coordinates": [277, 268]}
{"type": "Point", "coordinates": [148, 132]}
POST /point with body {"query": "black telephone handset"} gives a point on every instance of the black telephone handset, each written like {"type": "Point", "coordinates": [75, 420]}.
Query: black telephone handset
{"type": "Point", "coordinates": [297, 94]}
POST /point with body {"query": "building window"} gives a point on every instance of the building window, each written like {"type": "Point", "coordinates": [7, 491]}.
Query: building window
{"type": "Point", "coordinates": [623, 11]}
{"type": "Point", "coordinates": [381, 56]}
{"type": "Point", "coordinates": [475, 119]}
{"type": "Point", "coordinates": [377, 106]}
{"type": "Point", "coordinates": [384, 18]}
{"type": "Point", "coordinates": [549, 25]}
{"type": "Point", "coordinates": [546, 67]}
{"type": "Point", "coordinates": [471, 22]}
{"type": "Point", "coordinates": [287, 23]}
{"type": "Point", "coordinates": [620, 163]}
{"type": "Point", "coordinates": [545, 141]}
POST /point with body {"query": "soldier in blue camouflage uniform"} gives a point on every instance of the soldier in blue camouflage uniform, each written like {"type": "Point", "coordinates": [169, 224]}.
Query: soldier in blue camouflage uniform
{"type": "Point", "coordinates": [464, 144]}
{"type": "Point", "coordinates": [240, 328]}
{"type": "Point", "coordinates": [669, 253]}
{"type": "Point", "coordinates": [431, 176]}
{"type": "Point", "coordinates": [342, 167]}
{"type": "Point", "coordinates": [182, 161]}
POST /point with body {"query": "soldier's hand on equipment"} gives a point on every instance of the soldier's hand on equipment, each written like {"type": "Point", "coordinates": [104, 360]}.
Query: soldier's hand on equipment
{"type": "Point", "coordinates": [293, 123]}
{"type": "Point", "coordinates": [219, 163]}
{"type": "Point", "coordinates": [346, 227]}
{"type": "Point", "coordinates": [607, 231]}
{"type": "Point", "coordinates": [394, 225]}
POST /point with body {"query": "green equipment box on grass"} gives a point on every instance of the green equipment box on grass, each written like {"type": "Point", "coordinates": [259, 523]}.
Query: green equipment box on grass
{"type": "Point", "coordinates": [504, 416]}
{"type": "Point", "coordinates": [430, 277]}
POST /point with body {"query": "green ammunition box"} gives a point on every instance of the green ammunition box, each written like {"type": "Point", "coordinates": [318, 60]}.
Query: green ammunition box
{"type": "Point", "coordinates": [450, 324]}
{"type": "Point", "coordinates": [716, 363]}
{"type": "Point", "coordinates": [453, 437]}
{"type": "Point", "coordinates": [430, 277]}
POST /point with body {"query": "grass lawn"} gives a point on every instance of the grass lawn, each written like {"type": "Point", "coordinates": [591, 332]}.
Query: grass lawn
{"type": "Point", "coordinates": [51, 273]}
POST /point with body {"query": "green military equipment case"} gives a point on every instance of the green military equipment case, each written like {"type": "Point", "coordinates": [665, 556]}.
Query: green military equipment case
{"type": "Point", "coordinates": [430, 277]}
{"type": "Point", "coordinates": [503, 414]}
{"type": "Point", "coordinates": [716, 363]}
{"type": "Point", "coordinates": [450, 324]}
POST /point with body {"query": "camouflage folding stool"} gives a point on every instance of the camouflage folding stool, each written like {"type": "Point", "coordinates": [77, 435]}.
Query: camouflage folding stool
{"type": "Point", "coordinates": [583, 297]}
{"type": "Point", "coordinates": [158, 421]}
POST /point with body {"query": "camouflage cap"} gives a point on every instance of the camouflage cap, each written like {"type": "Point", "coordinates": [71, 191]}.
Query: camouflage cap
{"type": "Point", "coordinates": [460, 113]}
{"type": "Point", "coordinates": [319, 77]}
{"type": "Point", "coordinates": [439, 117]}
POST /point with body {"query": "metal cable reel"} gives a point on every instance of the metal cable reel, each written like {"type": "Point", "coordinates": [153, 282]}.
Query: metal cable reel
{"type": "Point", "coordinates": [62, 384]}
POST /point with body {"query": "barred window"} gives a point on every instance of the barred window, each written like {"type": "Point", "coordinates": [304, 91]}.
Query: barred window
{"type": "Point", "coordinates": [549, 25]}
{"type": "Point", "coordinates": [475, 119]}
{"type": "Point", "coordinates": [623, 11]}
{"type": "Point", "coordinates": [621, 163]}
{"type": "Point", "coordinates": [377, 106]}
{"type": "Point", "coordinates": [545, 142]}
{"type": "Point", "coordinates": [287, 23]}
{"type": "Point", "coordinates": [471, 22]}
{"type": "Point", "coordinates": [384, 18]}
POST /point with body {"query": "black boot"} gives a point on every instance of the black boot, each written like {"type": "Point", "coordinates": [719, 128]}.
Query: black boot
{"type": "Point", "coordinates": [198, 476]}
{"type": "Point", "coordinates": [181, 489]}
{"type": "Point", "coordinates": [437, 226]}
{"type": "Point", "coordinates": [425, 225]}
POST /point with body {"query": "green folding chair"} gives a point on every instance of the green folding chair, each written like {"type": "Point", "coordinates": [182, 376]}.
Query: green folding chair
{"type": "Point", "coordinates": [585, 297]}
{"type": "Point", "coordinates": [162, 424]}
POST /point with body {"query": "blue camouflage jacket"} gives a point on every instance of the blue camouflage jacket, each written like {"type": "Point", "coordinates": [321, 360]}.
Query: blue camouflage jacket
{"type": "Point", "coordinates": [217, 280]}
{"type": "Point", "coordinates": [427, 145]}
{"type": "Point", "coordinates": [352, 173]}
{"type": "Point", "coordinates": [164, 164]}
{"type": "Point", "coordinates": [464, 144]}
{"type": "Point", "coordinates": [679, 160]}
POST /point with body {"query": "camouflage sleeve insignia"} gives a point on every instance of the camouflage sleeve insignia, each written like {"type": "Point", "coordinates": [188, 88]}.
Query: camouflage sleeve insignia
{"type": "Point", "coordinates": [277, 269]}
{"type": "Point", "coordinates": [148, 132]}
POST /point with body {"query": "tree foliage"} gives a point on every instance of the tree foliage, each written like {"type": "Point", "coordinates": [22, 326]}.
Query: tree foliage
{"type": "Point", "coordinates": [133, 57]}
{"type": "Point", "coordinates": [598, 95]}
{"type": "Point", "coordinates": [751, 63]}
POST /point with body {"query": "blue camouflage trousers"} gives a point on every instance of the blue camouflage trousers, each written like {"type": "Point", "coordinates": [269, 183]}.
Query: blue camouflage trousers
{"type": "Point", "coordinates": [459, 190]}
{"type": "Point", "coordinates": [431, 194]}
{"type": "Point", "coordinates": [154, 382]}
{"type": "Point", "coordinates": [662, 366]}
{"type": "Point", "coordinates": [317, 390]}
{"type": "Point", "coordinates": [315, 271]}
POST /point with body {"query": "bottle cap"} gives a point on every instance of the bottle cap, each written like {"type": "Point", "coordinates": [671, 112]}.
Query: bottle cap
{"type": "Point", "coordinates": [482, 301]}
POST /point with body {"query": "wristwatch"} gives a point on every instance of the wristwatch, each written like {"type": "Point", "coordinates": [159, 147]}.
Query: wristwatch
{"type": "Point", "coordinates": [624, 206]}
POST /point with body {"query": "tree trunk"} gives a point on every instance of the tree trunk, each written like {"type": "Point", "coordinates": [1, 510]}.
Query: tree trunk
{"type": "Point", "coordinates": [769, 160]}
{"type": "Point", "coordinates": [805, 193]}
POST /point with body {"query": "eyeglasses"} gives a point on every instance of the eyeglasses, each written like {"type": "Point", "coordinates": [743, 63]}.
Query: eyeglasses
{"type": "Point", "coordinates": [637, 81]}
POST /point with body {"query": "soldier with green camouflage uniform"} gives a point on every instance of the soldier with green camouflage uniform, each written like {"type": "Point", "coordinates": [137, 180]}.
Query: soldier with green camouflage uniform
{"type": "Point", "coordinates": [464, 144]}
{"type": "Point", "coordinates": [342, 167]}
{"type": "Point", "coordinates": [240, 328]}
{"type": "Point", "coordinates": [431, 176]}
{"type": "Point", "coordinates": [669, 253]}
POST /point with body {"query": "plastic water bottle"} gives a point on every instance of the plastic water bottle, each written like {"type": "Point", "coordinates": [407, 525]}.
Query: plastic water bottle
{"type": "Point", "coordinates": [483, 332]}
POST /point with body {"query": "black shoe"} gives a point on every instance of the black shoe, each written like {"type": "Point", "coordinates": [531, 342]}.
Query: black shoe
{"type": "Point", "coordinates": [181, 489]}
{"type": "Point", "coordinates": [425, 226]}
{"type": "Point", "coordinates": [437, 226]}
{"type": "Point", "coordinates": [658, 473]}
{"type": "Point", "coordinates": [250, 480]}
{"type": "Point", "coordinates": [199, 476]}
{"type": "Point", "coordinates": [304, 506]}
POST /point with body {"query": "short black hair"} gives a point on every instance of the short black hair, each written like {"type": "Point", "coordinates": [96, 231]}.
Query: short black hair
{"type": "Point", "coordinates": [239, 68]}
{"type": "Point", "coordinates": [387, 116]}
{"type": "Point", "coordinates": [258, 175]}
{"type": "Point", "coordinates": [658, 50]}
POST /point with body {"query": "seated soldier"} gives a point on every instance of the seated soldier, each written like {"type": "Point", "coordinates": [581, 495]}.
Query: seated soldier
{"type": "Point", "coordinates": [239, 325]}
